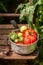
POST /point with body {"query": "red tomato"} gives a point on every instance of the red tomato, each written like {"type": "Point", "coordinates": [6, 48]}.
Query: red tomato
{"type": "Point", "coordinates": [27, 33]}
{"type": "Point", "coordinates": [33, 39]}
{"type": "Point", "coordinates": [23, 33]}
{"type": "Point", "coordinates": [27, 40]}
{"type": "Point", "coordinates": [30, 36]}
{"type": "Point", "coordinates": [31, 30]}
{"type": "Point", "coordinates": [19, 42]}
{"type": "Point", "coordinates": [35, 35]}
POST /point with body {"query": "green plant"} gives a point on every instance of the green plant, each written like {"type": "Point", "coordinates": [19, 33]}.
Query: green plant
{"type": "Point", "coordinates": [39, 25]}
{"type": "Point", "coordinates": [29, 10]}
{"type": "Point", "coordinates": [3, 7]}
{"type": "Point", "coordinates": [25, 10]}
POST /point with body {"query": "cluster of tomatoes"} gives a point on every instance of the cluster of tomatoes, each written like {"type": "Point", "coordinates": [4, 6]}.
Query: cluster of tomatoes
{"type": "Point", "coordinates": [24, 36]}
{"type": "Point", "coordinates": [29, 36]}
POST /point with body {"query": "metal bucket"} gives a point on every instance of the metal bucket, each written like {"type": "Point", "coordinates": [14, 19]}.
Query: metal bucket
{"type": "Point", "coordinates": [24, 49]}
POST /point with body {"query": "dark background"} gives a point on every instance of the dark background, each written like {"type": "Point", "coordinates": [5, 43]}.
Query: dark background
{"type": "Point", "coordinates": [9, 6]}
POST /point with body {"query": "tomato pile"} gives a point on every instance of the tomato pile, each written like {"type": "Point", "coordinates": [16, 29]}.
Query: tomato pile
{"type": "Point", "coordinates": [24, 36]}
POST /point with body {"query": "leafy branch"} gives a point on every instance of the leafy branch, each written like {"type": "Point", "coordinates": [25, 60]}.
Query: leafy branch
{"type": "Point", "coordinates": [3, 7]}
{"type": "Point", "coordinates": [28, 9]}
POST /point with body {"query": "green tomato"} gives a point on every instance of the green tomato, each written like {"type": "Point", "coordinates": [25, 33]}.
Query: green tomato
{"type": "Point", "coordinates": [21, 38]}
{"type": "Point", "coordinates": [22, 28]}
{"type": "Point", "coordinates": [13, 35]}
{"type": "Point", "coordinates": [16, 40]}
{"type": "Point", "coordinates": [19, 34]}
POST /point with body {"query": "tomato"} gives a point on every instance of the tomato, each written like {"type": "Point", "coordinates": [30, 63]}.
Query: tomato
{"type": "Point", "coordinates": [33, 39]}
{"type": "Point", "coordinates": [35, 35]}
{"type": "Point", "coordinates": [27, 40]}
{"type": "Point", "coordinates": [30, 36]}
{"type": "Point", "coordinates": [31, 30]}
{"type": "Point", "coordinates": [23, 28]}
{"type": "Point", "coordinates": [23, 33]}
{"type": "Point", "coordinates": [19, 34]}
{"type": "Point", "coordinates": [19, 42]}
{"type": "Point", "coordinates": [27, 33]}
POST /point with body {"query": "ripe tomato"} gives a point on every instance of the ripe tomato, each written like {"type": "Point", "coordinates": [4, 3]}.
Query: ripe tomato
{"type": "Point", "coordinates": [30, 36]}
{"type": "Point", "coordinates": [23, 33]}
{"type": "Point", "coordinates": [33, 39]}
{"type": "Point", "coordinates": [19, 42]}
{"type": "Point", "coordinates": [31, 30]}
{"type": "Point", "coordinates": [35, 35]}
{"type": "Point", "coordinates": [27, 40]}
{"type": "Point", "coordinates": [27, 33]}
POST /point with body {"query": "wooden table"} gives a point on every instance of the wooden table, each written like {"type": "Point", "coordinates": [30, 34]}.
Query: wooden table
{"type": "Point", "coordinates": [5, 45]}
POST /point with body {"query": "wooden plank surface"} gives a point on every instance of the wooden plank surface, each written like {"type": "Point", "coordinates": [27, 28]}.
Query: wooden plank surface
{"type": "Point", "coordinates": [7, 26]}
{"type": "Point", "coordinates": [14, 55]}
{"type": "Point", "coordinates": [10, 15]}
{"type": "Point", "coordinates": [4, 31]}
